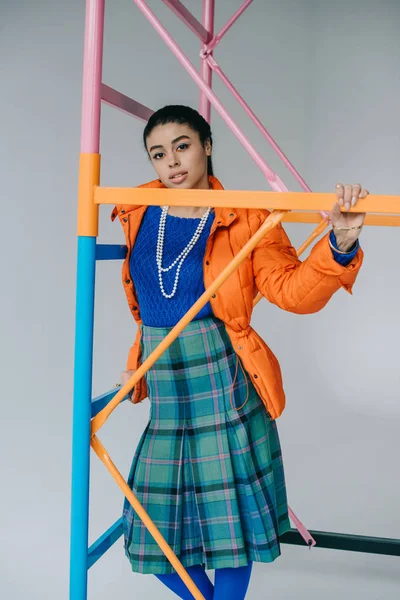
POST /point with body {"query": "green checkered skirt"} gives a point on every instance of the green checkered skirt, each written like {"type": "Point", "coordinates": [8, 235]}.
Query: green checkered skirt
{"type": "Point", "coordinates": [208, 472]}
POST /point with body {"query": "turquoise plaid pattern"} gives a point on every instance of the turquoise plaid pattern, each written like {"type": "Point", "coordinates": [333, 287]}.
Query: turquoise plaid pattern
{"type": "Point", "coordinates": [210, 476]}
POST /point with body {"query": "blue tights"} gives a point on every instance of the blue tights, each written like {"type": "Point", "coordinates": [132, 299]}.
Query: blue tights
{"type": "Point", "coordinates": [230, 584]}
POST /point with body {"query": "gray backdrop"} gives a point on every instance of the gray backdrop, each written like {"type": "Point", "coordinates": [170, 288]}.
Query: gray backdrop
{"type": "Point", "coordinates": [324, 78]}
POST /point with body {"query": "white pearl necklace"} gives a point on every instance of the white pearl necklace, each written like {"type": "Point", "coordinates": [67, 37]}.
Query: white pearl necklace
{"type": "Point", "coordinates": [181, 258]}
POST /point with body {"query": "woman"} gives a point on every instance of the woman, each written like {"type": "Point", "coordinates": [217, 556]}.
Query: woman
{"type": "Point", "coordinates": [208, 468]}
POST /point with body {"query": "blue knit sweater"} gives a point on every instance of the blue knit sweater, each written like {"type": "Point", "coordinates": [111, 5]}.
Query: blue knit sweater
{"type": "Point", "coordinates": [155, 309]}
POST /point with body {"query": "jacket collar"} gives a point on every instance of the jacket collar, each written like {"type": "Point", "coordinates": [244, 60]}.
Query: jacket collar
{"type": "Point", "coordinates": [223, 216]}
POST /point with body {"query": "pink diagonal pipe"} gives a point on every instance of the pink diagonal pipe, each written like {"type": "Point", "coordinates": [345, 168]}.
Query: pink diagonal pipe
{"type": "Point", "coordinates": [273, 179]}
{"type": "Point", "coordinates": [215, 67]}
{"type": "Point", "coordinates": [186, 17]}
{"type": "Point", "coordinates": [305, 534]}
{"type": "Point", "coordinates": [216, 40]}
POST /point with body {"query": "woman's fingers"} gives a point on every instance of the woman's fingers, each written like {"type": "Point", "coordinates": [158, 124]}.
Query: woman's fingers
{"type": "Point", "coordinates": [355, 194]}
{"type": "Point", "coordinates": [358, 193]}
{"type": "Point", "coordinates": [348, 195]}
{"type": "Point", "coordinates": [340, 193]}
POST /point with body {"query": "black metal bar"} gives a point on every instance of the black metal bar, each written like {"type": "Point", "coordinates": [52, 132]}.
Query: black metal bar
{"type": "Point", "coordinates": [324, 539]}
{"type": "Point", "coordinates": [344, 541]}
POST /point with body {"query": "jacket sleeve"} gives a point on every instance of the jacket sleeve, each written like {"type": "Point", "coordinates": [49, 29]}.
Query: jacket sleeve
{"type": "Point", "coordinates": [296, 286]}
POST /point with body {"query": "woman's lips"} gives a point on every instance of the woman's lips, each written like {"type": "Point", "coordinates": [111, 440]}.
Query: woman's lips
{"type": "Point", "coordinates": [179, 178]}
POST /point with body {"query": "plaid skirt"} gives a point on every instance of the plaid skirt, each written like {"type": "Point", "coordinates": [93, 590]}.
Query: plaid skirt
{"type": "Point", "coordinates": [207, 470]}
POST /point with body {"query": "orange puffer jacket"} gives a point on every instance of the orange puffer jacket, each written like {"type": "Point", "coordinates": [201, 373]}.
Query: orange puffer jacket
{"type": "Point", "coordinates": [272, 268]}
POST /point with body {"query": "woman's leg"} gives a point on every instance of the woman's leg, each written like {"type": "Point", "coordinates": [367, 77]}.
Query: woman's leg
{"type": "Point", "coordinates": [232, 584]}
{"type": "Point", "coordinates": [199, 576]}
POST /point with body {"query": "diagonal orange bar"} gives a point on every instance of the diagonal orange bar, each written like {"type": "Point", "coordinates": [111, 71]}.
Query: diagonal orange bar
{"type": "Point", "coordinates": [241, 199]}
{"type": "Point", "coordinates": [142, 514]}
{"type": "Point", "coordinates": [316, 233]}
{"type": "Point", "coordinates": [269, 223]}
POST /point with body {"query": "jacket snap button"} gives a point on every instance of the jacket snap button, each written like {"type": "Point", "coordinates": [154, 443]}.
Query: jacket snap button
{"type": "Point", "coordinates": [207, 262]}
{"type": "Point", "coordinates": [255, 376]}
{"type": "Point", "coordinates": [218, 222]}
{"type": "Point", "coordinates": [239, 347]}
{"type": "Point", "coordinates": [134, 308]}
{"type": "Point", "coordinates": [125, 219]}
{"type": "Point", "coordinates": [122, 212]}
{"type": "Point", "coordinates": [127, 280]}
{"type": "Point", "coordinates": [213, 296]}
{"type": "Point", "coordinates": [231, 215]}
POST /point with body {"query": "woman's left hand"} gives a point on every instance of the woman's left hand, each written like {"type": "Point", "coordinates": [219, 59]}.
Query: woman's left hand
{"type": "Point", "coordinates": [347, 226]}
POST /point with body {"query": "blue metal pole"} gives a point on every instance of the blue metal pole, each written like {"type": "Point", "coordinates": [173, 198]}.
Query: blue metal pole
{"type": "Point", "coordinates": [85, 292]}
{"type": "Point", "coordinates": [89, 176]}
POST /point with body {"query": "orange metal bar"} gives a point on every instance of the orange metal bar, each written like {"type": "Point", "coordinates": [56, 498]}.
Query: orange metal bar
{"type": "Point", "coordinates": [316, 233]}
{"type": "Point", "coordinates": [89, 177]}
{"type": "Point", "coordinates": [237, 198]}
{"type": "Point", "coordinates": [165, 547]}
{"type": "Point", "coordinates": [99, 420]}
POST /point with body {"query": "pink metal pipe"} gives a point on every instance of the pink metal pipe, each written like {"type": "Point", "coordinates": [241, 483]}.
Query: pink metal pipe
{"type": "Point", "coordinates": [186, 16]}
{"type": "Point", "coordinates": [205, 69]}
{"type": "Point", "coordinates": [305, 534]}
{"type": "Point", "coordinates": [216, 39]}
{"type": "Point", "coordinates": [273, 179]}
{"type": "Point", "coordinates": [215, 67]}
{"type": "Point", "coordinates": [92, 66]}
{"type": "Point", "coordinates": [127, 105]}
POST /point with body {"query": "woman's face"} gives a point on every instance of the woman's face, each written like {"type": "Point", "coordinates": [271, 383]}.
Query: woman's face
{"type": "Point", "coordinates": [178, 156]}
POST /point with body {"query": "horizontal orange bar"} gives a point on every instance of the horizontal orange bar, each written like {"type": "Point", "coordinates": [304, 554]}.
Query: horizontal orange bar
{"type": "Point", "coordinates": [238, 198]}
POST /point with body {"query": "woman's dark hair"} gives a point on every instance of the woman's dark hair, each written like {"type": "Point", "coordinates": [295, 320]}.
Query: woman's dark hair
{"type": "Point", "coordinates": [184, 115]}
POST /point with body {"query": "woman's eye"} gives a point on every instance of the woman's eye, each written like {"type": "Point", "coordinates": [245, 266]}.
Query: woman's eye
{"type": "Point", "coordinates": [182, 146]}
{"type": "Point", "coordinates": [158, 155]}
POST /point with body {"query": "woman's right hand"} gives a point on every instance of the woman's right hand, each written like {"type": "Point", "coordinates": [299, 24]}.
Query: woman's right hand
{"type": "Point", "coordinates": [125, 376]}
